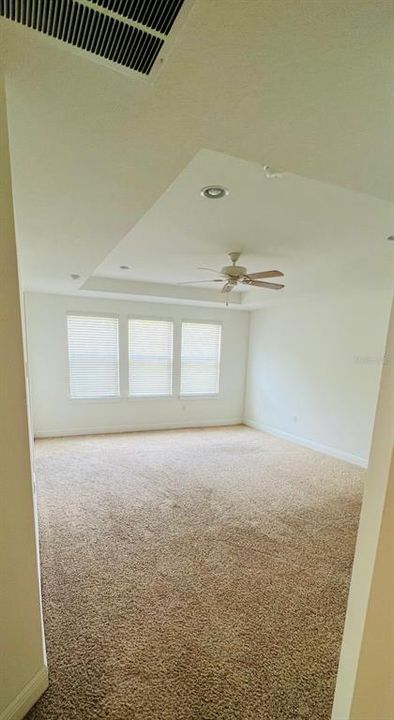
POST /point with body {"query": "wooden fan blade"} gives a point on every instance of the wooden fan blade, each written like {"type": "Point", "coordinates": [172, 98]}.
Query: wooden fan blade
{"type": "Point", "coordinates": [265, 274]}
{"type": "Point", "coordinates": [269, 286]}
{"type": "Point", "coordinates": [227, 288]}
{"type": "Point", "coordinates": [193, 282]}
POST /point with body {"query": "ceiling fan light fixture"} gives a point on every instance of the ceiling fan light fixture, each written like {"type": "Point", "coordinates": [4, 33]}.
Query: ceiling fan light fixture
{"type": "Point", "coordinates": [233, 274]}
{"type": "Point", "coordinates": [214, 192]}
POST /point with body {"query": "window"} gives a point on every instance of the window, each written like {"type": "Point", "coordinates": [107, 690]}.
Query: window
{"type": "Point", "coordinates": [150, 357]}
{"type": "Point", "coordinates": [200, 360]}
{"type": "Point", "coordinates": [93, 351]}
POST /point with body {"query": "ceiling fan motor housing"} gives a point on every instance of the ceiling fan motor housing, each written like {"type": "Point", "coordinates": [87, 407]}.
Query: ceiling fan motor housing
{"type": "Point", "coordinates": [234, 271]}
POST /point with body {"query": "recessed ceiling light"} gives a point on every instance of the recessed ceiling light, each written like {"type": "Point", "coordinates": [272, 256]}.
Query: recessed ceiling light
{"type": "Point", "coordinates": [74, 276]}
{"type": "Point", "coordinates": [124, 267]}
{"type": "Point", "coordinates": [214, 192]}
{"type": "Point", "coordinates": [270, 173]}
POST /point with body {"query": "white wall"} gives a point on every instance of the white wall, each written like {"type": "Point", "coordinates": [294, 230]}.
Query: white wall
{"type": "Point", "coordinates": [23, 672]}
{"type": "Point", "coordinates": [54, 413]}
{"type": "Point", "coordinates": [365, 682]}
{"type": "Point", "coordinates": [314, 370]}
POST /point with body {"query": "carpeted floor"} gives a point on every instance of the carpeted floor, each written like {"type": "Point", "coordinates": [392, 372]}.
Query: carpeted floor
{"type": "Point", "coordinates": [193, 575]}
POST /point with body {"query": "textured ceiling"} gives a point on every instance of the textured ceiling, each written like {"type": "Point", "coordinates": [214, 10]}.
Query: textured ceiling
{"type": "Point", "coordinates": [303, 86]}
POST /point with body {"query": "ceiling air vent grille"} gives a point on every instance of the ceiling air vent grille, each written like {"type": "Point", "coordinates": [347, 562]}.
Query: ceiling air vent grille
{"type": "Point", "coordinates": [157, 14]}
{"type": "Point", "coordinates": [128, 33]}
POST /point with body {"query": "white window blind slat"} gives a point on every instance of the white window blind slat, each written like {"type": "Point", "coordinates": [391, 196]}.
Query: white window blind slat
{"type": "Point", "coordinates": [150, 357]}
{"type": "Point", "coordinates": [93, 352]}
{"type": "Point", "coordinates": [200, 358]}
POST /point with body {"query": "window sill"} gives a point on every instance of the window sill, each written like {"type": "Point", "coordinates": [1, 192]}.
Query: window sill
{"type": "Point", "coordinates": [132, 398]}
{"type": "Point", "coordinates": [202, 396]}
{"type": "Point", "coordinates": [149, 397]}
{"type": "Point", "coordinates": [94, 400]}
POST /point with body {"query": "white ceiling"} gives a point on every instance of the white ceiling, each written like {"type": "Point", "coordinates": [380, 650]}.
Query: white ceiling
{"type": "Point", "coordinates": [321, 236]}
{"type": "Point", "coordinates": [306, 87]}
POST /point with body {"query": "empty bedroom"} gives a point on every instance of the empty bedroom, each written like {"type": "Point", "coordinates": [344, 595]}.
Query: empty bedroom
{"type": "Point", "coordinates": [197, 241]}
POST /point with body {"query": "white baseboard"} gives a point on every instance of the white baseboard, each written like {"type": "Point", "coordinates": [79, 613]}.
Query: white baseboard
{"type": "Point", "coordinates": [325, 449]}
{"type": "Point", "coordinates": [25, 700]}
{"type": "Point", "coordinates": [135, 428]}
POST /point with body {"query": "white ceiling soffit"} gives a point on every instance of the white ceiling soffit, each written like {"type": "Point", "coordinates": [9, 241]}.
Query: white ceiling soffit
{"type": "Point", "coordinates": [159, 292]}
{"type": "Point", "coordinates": [127, 36]}
{"type": "Point", "coordinates": [321, 236]}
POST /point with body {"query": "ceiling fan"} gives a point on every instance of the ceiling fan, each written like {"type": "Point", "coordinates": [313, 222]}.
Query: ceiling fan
{"type": "Point", "coordinates": [233, 274]}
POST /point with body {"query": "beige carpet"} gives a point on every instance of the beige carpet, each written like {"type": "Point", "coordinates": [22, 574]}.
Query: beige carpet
{"type": "Point", "coordinates": [193, 575]}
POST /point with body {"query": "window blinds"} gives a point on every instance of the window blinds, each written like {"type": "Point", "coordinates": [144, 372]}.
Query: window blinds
{"type": "Point", "coordinates": [93, 351]}
{"type": "Point", "coordinates": [200, 358]}
{"type": "Point", "coordinates": [150, 357]}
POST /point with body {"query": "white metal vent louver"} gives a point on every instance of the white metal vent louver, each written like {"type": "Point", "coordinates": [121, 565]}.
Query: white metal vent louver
{"type": "Point", "coordinates": [128, 33]}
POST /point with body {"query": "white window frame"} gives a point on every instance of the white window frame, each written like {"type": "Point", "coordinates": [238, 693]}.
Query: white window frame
{"type": "Point", "coordinates": [105, 398]}
{"type": "Point", "coordinates": [156, 318]}
{"type": "Point", "coordinates": [200, 396]}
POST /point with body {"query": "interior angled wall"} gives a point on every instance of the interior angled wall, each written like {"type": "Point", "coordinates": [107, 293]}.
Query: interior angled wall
{"type": "Point", "coordinates": [314, 370]}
